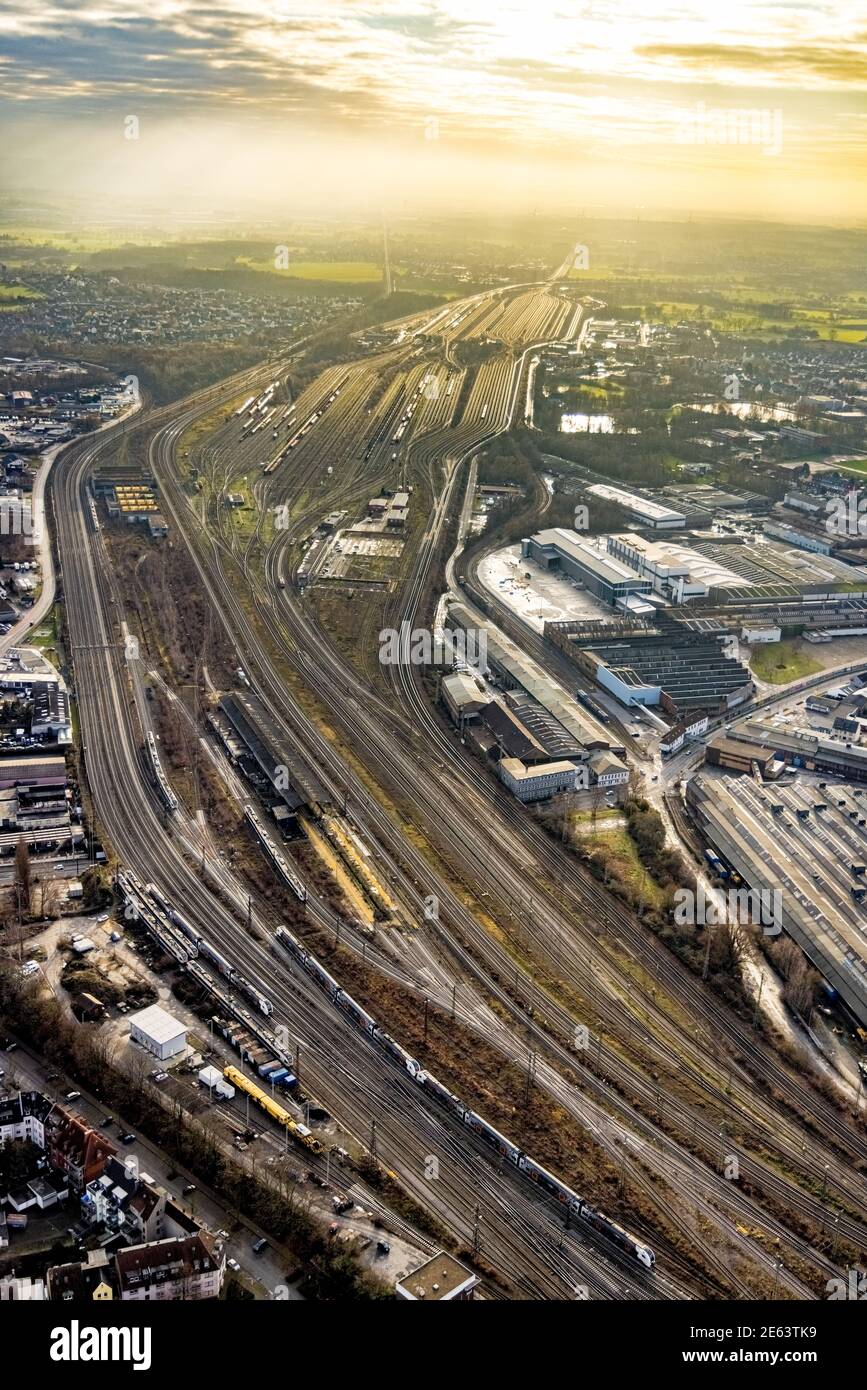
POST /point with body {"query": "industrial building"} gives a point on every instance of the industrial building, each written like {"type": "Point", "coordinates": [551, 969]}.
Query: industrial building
{"type": "Point", "coordinates": [807, 502]}
{"type": "Point", "coordinates": [134, 502]}
{"type": "Point", "coordinates": [603, 575]}
{"type": "Point", "coordinates": [782, 531]}
{"type": "Point", "coordinates": [654, 515]}
{"type": "Point", "coordinates": [740, 755]}
{"type": "Point", "coordinates": [680, 673]}
{"type": "Point", "coordinates": [677, 572]}
{"type": "Point", "coordinates": [767, 568]}
{"type": "Point", "coordinates": [50, 715]}
{"type": "Point", "coordinates": [729, 569]}
{"type": "Point", "coordinates": [278, 776]}
{"type": "Point", "coordinates": [607, 770]}
{"type": "Point", "coordinates": [463, 695]}
{"type": "Point", "coordinates": [809, 844]}
{"type": "Point", "coordinates": [755, 739]}
{"type": "Point", "coordinates": [514, 671]}
{"type": "Point", "coordinates": [158, 1032]}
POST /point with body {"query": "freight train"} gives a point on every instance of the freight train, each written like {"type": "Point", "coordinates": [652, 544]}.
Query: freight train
{"type": "Point", "coordinates": [273, 1108]}
{"type": "Point", "coordinates": [532, 1170]}
{"type": "Point", "coordinates": [595, 709]}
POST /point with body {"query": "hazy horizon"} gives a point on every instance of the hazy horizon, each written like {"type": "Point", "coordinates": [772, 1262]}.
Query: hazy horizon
{"type": "Point", "coordinates": [248, 111]}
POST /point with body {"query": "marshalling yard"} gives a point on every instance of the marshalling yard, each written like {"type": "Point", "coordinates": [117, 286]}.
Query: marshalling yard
{"type": "Point", "coordinates": [493, 1006]}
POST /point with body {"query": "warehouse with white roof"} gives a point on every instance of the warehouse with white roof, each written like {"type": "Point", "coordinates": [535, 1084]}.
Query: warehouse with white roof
{"type": "Point", "coordinates": [158, 1032]}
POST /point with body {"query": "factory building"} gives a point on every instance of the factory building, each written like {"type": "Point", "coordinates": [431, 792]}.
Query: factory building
{"type": "Point", "coordinates": [603, 575]}
{"type": "Point", "coordinates": [676, 571]}
{"type": "Point", "coordinates": [739, 755]}
{"type": "Point", "coordinates": [781, 531]}
{"type": "Point", "coordinates": [807, 846]}
{"type": "Point", "coordinates": [654, 515]}
{"type": "Point", "coordinates": [463, 695]}
{"type": "Point", "coordinates": [50, 712]}
{"type": "Point", "coordinates": [607, 770]}
{"type": "Point", "coordinates": [516, 673]}
{"type": "Point", "coordinates": [806, 502]}
{"type": "Point", "coordinates": [681, 674]}
{"type": "Point", "coordinates": [758, 741]}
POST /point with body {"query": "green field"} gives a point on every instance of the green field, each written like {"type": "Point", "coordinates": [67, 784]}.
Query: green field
{"type": "Point", "coordinates": [12, 296]}
{"type": "Point", "coordinates": [343, 272]}
{"type": "Point", "coordinates": [778, 663]}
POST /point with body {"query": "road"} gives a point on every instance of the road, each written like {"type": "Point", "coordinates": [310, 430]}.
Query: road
{"type": "Point", "coordinates": [265, 1272]}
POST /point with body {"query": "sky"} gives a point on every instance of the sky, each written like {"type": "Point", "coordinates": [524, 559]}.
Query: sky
{"type": "Point", "coordinates": [347, 106]}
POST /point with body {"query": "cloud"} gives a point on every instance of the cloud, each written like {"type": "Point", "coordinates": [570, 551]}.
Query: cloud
{"type": "Point", "coordinates": [570, 81]}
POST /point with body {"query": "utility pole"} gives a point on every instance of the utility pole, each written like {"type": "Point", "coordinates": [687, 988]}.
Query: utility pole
{"type": "Point", "coordinates": [531, 1074]}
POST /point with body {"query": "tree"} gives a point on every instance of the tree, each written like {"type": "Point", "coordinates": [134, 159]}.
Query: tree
{"type": "Point", "coordinates": [22, 875]}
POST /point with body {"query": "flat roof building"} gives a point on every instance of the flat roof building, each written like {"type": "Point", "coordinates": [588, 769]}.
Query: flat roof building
{"type": "Point", "coordinates": [680, 674]}
{"type": "Point", "coordinates": [645, 511]}
{"type": "Point", "coordinates": [441, 1279]}
{"type": "Point", "coordinates": [601, 574]}
{"type": "Point", "coordinates": [157, 1032]}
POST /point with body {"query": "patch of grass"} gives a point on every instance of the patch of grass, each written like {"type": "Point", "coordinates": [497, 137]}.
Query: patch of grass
{"type": "Point", "coordinates": [345, 272]}
{"type": "Point", "coordinates": [14, 297]}
{"type": "Point", "coordinates": [781, 662]}
{"type": "Point", "coordinates": [622, 862]}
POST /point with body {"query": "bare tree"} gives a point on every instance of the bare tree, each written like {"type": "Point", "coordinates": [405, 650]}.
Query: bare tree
{"type": "Point", "coordinates": [22, 876]}
{"type": "Point", "coordinates": [50, 897]}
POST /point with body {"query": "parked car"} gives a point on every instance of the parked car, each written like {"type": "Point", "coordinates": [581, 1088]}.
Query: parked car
{"type": "Point", "coordinates": [161, 1076]}
{"type": "Point", "coordinates": [73, 1095]}
{"type": "Point", "coordinates": [234, 1266]}
{"type": "Point", "coordinates": [127, 1138]}
{"type": "Point", "coordinates": [106, 1122]}
{"type": "Point", "coordinates": [260, 1245]}
{"type": "Point", "coordinates": [188, 1188]}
